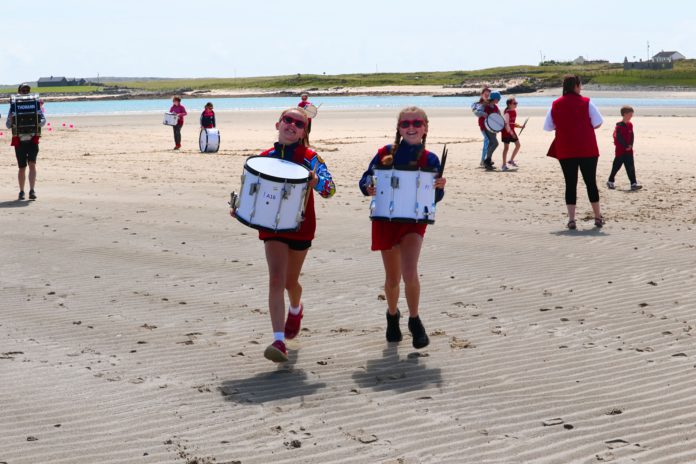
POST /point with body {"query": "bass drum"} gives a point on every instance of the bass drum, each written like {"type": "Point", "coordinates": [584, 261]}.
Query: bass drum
{"type": "Point", "coordinates": [209, 140]}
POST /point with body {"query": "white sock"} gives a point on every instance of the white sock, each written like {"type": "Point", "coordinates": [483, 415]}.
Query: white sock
{"type": "Point", "coordinates": [295, 310]}
{"type": "Point", "coordinates": [279, 336]}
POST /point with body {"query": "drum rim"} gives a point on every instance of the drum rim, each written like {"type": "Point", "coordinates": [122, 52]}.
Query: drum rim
{"type": "Point", "coordinates": [273, 178]}
{"type": "Point", "coordinates": [428, 169]}
{"type": "Point", "coordinates": [402, 220]}
{"type": "Point", "coordinates": [267, 229]}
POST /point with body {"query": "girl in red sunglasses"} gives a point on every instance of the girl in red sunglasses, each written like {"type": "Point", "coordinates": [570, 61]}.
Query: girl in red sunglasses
{"type": "Point", "coordinates": [286, 251]}
{"type": "Point", "coordinates": [400, 243]}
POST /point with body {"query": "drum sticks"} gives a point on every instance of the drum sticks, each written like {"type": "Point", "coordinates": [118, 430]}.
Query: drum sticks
{"type": "Point", "coordinates": [523, 126]}
{"type": "Point", "coordinates": [443, 160]}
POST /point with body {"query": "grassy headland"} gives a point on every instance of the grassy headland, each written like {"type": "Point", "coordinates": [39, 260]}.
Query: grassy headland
{"type": "Point", "coordinates": [528, 78]}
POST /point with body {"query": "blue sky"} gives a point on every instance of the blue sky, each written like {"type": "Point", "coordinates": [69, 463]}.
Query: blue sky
{"type": "Point", "coordinates": [177, 38]}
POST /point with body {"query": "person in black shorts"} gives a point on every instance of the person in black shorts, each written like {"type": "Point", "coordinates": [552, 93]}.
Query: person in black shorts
{"type": "Point", "coordinates": [286, 251]}
{"type": "Point", "coordinates": [26, 146]}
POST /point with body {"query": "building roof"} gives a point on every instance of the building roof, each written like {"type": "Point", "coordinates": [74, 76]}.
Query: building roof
{"type": "Point", "coordinates": [52, 79]}
{"type": "Point", "coordinates": [665, 54]}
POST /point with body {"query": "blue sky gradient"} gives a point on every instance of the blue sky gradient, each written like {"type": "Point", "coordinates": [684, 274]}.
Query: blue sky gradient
{"type": "Point", "coordinates": [177, 38]}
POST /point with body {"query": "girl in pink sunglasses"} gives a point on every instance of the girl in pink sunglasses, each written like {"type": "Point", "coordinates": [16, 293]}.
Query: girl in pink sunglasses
{"type": "Point", "coordinates": [400, 242]}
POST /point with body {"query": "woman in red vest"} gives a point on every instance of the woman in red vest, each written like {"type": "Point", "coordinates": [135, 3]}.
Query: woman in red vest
{"type": "Point", "coordinates": [575, 118]}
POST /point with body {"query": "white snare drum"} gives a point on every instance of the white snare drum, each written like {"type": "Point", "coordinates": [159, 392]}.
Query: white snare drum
{"type": "Point", "coordinates": [272, 196]}
{"type": "Point", "coordinates": [209, 140]}
{"type": "Point", "coordinates": [404, 195]}
{"type": "Point", "coordinates": [494, 123]}
{"type": "Point", "coordinates": [170, 119]}
{"type": "Point", "coordinates": [311, 110]}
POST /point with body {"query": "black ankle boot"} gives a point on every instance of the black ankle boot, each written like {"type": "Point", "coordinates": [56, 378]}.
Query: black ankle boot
{"type": "Point", "coordinates": [420, 337]}
{"type": "Point", "coordinates": [393, 330]}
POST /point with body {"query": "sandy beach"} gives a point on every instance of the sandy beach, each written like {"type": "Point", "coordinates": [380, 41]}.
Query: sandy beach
{"type": "Point", "coordinates": [134, 309]}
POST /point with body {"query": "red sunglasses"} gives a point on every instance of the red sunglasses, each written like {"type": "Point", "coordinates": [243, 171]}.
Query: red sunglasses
{"type": "Point", "coordinates": [295, 122]}
{"type": "Point", "coordinates": [405, 124]}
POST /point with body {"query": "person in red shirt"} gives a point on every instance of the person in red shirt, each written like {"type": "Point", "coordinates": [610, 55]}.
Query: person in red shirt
{"type": "Point", "coordinates": [208, 117]}
{"type": "Point", "coordinates": [400, 243]}
{"type": "Point", "coordinates": [509, 135]}
{"type": "Point", "coordinates": [304, 103]}
{"type": "Point", "coordinates": [179, 109]}
{"type": "Point", "coordinates": [623, 143]}
{"type": "Point", "coordinates": [575, 118]}
{"type": "Point", "coordinates": [286, 251]}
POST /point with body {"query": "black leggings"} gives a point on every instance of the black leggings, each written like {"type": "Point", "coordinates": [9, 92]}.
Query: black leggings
{"type": "Point", "coordinates": [588, 168]}
{"type": "Point", "coordinates": [177, 134]}
{"type": "Point", "coordinates": [626, 160]}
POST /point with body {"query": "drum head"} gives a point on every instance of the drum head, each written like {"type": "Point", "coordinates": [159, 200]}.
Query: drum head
{"type": "Point", "coordinates": [277, 168]}
{"type": "Point", "coordinates": [495, 122]}
{"type": "Point", "coordinates": [311, 111]}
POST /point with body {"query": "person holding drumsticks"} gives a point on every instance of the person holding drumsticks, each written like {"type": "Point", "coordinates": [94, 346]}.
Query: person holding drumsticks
{"type": "Point", "coordinates": [509, 135]}
{"type": "Point", "coordinates": [286, 251]}
{"type": "Point", "coordinates": [400, 243]}
{"type": "Point", "coordinates": [304, 103]}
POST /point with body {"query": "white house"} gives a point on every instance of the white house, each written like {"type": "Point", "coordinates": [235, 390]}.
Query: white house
{"type": "Point", "coordinates": [664, 57]}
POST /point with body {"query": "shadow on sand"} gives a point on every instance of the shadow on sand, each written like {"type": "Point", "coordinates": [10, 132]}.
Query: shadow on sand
{"type": "Point", "coordinates": [284, 382]}
{"type": "Point", "coordinates": [14, 204]}
{"type": "Point", "coordinates": [391, 372]}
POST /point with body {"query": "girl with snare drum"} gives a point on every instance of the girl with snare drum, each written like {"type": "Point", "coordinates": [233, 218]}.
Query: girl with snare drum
{"type": "Point", "coordinates": [400, 242]}
{"type": "Point", "coordinates": [286, 251]}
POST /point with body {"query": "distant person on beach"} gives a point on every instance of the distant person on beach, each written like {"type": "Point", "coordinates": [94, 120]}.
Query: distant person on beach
{"type": "Point", "coordinates": [304, 103]}
{"type": "Point", "coordinates": [623, 143]}
{"type": "Point", "coordinates": [400, 243]}
{"type": "Point", "coordinates": [286, 251]}
{"type": "Point", "coordinates": [575, 118]}
{"type": "Point", "coordinates": [208, 116]}
{"type": "Point", "coordinates": [478, 110]}
{"type": "Point", "coordinates": [488, 104]}
{"type": "Point", "coordinates": [26, 141]}
{"type": "Point", "coordinates": [179, 109]}
{"type": "Point", "coordinates": [509, 135]}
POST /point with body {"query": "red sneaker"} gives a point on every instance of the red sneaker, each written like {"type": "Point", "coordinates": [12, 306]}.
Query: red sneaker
{"type": "Point", "coordinates": [276, 352]}
{"type": "Point", "coordinates": [292, 324]}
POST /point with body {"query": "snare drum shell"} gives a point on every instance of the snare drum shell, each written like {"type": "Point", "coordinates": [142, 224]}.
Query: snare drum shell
{"type": "Point", "coordinates": [263, 205]}
{"type": "Point", "coordinates": [413, 201]}
{"type": "Point", "coordinates": [170, 119]}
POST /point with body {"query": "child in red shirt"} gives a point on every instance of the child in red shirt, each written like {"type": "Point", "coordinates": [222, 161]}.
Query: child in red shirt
{"type": "Point", "coordinates": [208, 117]}
{"type": "Point", "coordinates": [623, 142]}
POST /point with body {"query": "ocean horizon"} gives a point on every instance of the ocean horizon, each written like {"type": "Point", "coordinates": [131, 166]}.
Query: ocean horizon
{"type": "Point", "coordinates": [144, 106]}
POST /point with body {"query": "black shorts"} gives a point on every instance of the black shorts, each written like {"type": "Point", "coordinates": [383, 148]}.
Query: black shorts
{"type": "Point", "coordinates": [295, 245]}
{"type": "Point", "coordinates": [509, 139]}
{"type": "Point", "coordinates": [26, 152]}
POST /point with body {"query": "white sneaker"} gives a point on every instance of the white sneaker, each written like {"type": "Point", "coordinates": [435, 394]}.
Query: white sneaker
{"type": "Point", "coordinates": [610, 185]}
{"type": "Point", "coordinates": [504, 167]}
{"type": "Point", "coordinates": [512, 166]}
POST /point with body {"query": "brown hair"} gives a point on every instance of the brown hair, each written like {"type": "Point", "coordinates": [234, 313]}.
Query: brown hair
{"type": "Point", "coordinates": [509, 102]}
{"type": "Point", "coordinates": [209, 104]}
{"type": "Point", "coordinates": [177, 99]}
{"type": "Point", "coordinates": [626, 109]}
{"type": "Point", "coordinates": [389, 159]}
{"type": "Point", "coordinates": [484, 90]}
{"type": "Point", "coordinates": [304, 140]}
{"type": "Point", "coordinates": [569, 83]}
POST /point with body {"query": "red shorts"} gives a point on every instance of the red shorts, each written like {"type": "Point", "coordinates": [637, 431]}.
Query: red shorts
{"type": "Point", "coordinates": [385, 234]}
